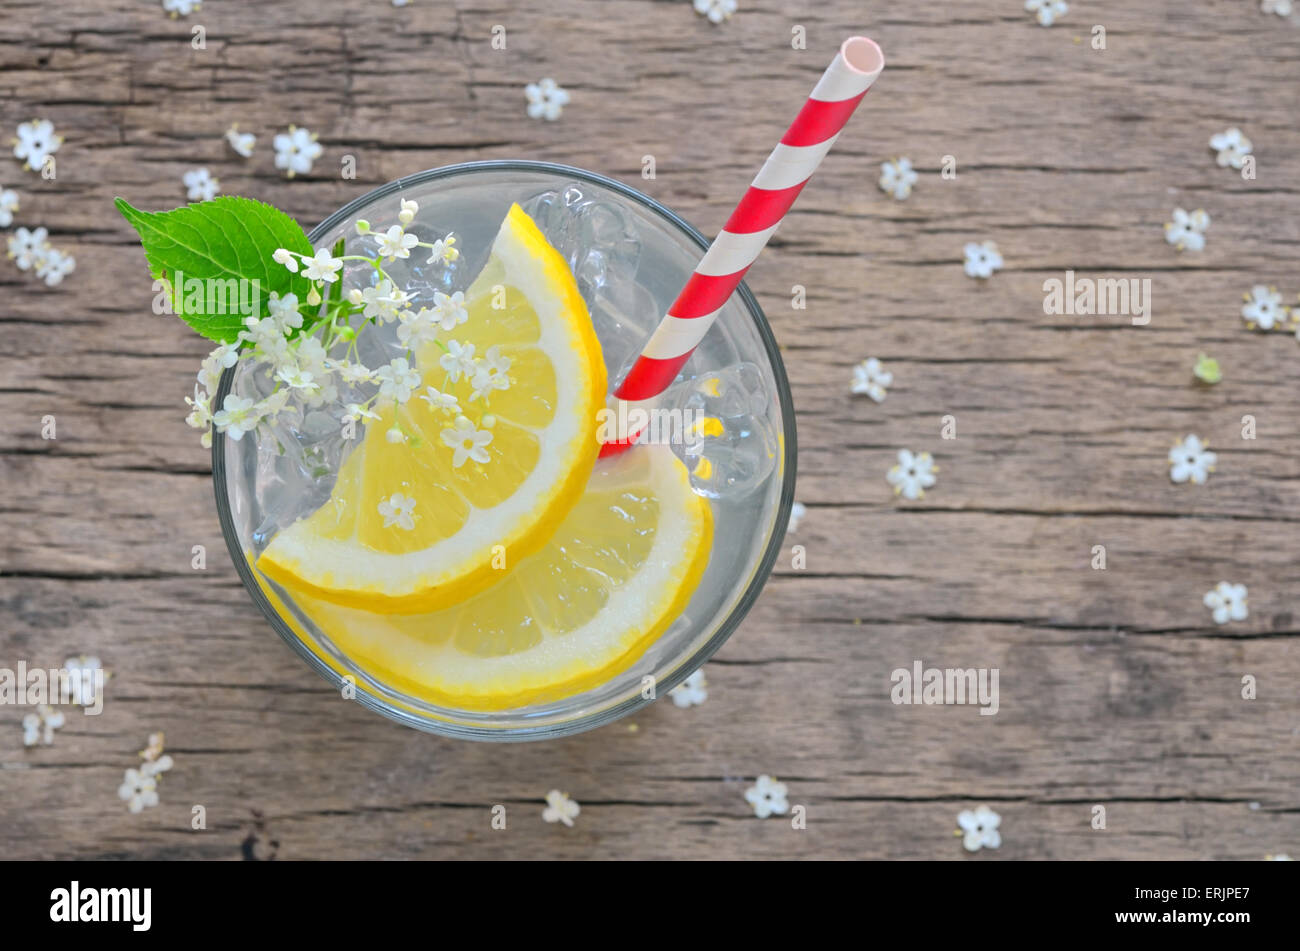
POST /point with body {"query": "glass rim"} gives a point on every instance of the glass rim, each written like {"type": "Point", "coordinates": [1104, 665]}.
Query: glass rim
{"type": "Point", "coordinates": [685, 668]}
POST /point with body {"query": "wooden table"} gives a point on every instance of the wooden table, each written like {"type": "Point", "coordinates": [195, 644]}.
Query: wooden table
{"type": "Point", "coordinates": [1116, 688]}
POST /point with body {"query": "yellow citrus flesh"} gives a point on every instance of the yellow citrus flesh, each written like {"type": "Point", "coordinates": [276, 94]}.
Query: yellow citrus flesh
{"type": "Point", "coordinates": [527, 305]}
{"type": "Point", "coordinates": [618, 571]}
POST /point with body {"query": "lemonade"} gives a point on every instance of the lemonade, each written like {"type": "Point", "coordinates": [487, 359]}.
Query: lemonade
{"type": "Point", "coordinates": [457, 558]}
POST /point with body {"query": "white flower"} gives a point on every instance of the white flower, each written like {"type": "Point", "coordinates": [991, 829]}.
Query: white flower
{"type": "Point", "coordinates": [287, 258]}
{"type": "Point", "coordinates": [8, 205]}
{"type": "Point", "coordinates": [1232, 146]}
{"type": "Point", "coordinates": [797, 512]}
{"type": "Point", "coordinates": [690, 692]}
{"type": "Point", "coordinates": [396, 243]}
{"type": "Point", "coordinates": [408, 212]}
{"type": "Point", "coordinates": [80, 688]}
{"type": "Point", "coordinates": [200, 185]}
{"type": "Point", "coordinates": [1047, 10]}
{"type": "Point", "coordinates": [871, 378]}
{"type": "Point", "coordinates": [560, 808]}
{"type": "Point", "coordinates": [443, 249]}
{"type": "Point", "coordinates": [546, 99]}
{"type": "Point", "coordinates": [1280, 857]}
{"type": "Point", "coordinates": [284, 311]}
{"type": "Point", "coordinates": [416, 327]}
{"type": "Point", "coordinates": [912, 475]}
{"type": "Point", "coordinates": [449, 310]}
{"type": "Point", "coordinates": [235, 417]}
{"type": "Point", "coordinates": [241, 142]}
{"type": "Point", "coordinates": [271, 407]}
{"type": "Point", "coordinates": [157, 767]}
{"type": "Point", "coordinates": [1187, 232]}
{"type": "Point", "coordinates": [40, 726]}
{"type": "Point", "coordinates": [767, 796]}
{"type": "Point", "coordinates": [356, 413]}
{"type": "Point", "coordinates": [897, 178]}
{"type": "Point", "coordinates": [383, 302]}
{"type": "Point", "coordinates": [715, 10]}
{"type": "Point", "coordinates": [36, 143]}
{"type": "Point", "coordinates": [353, 372]}
{"type": "Point", "coordinates": [467, 442]}
{"type": "Point", "coordinates": [397, 380]}
{"type": "Point", "coordinates": [200, 416]}
{"type": "Point", "coordinates": [27, 247]}
{"type": "Point", "coordinates": [295, 151]}
{"type": "Point", "coordinates": [397, 510]}
{"type": "Point", "coordinates": [323, 267]}
{"type": "Point", "coordinates": [439, 400]}
{"type": "Point", "coordinates": [1281, 7]}
{"type": "Point", "coordinates": [980, 829]}
{"type": "Point", "coordinates": [1190, 459]}
{"type": "Point", "coordinates": [491, 373]}
{"type": "Point", "coordinates": [54, 266]}
{"type": "Point", "coordinates": [458, 359]}
{"type": "Point", "coordinates": [1227, 602]}
{"type": "Point", "coordinates": [297, 379]}
{"type": "Point", "coordinates": [182, 7]}
{"type": "Point", "coordinates": [982, 259]}
{"type": "Point", "coordinates": [138, 789]}
{"type": "Point", "coordinates": [1263, 308]}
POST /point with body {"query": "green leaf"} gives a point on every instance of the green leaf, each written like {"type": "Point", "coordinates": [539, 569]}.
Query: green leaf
{"type": "Point", "coordinates": [200, 248]}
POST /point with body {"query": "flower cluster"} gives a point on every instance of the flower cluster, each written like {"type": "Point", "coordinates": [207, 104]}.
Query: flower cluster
{"type": "Point", "coordinates": [308, 351]}
{"type": "Point", "coordinates": [139, 787]}
{"type": "Point", "coordinates": [31, 251]}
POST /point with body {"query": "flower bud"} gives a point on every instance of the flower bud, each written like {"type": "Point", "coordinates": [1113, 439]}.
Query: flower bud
{"type": "Point", "coordinates": [363, 226]}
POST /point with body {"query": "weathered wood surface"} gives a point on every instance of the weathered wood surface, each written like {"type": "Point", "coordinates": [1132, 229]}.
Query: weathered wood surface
{"type": "Point", "coordinates": [1116, 688]}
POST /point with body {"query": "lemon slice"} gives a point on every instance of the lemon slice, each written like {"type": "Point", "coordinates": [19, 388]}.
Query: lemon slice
{"type": "Point", "coordinates": [457, 514]}
{"type": "Point", "coordinates": [618, 571]}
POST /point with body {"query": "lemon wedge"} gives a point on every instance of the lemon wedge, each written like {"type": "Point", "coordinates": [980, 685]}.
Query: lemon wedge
{"type": "Point", "coordinates": [618, 571]}
{"type": "Point", "coordinates": [416, 525]}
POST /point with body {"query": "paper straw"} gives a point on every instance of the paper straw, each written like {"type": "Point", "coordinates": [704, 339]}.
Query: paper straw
{"type": "Point", "coordinates": [778, 183]}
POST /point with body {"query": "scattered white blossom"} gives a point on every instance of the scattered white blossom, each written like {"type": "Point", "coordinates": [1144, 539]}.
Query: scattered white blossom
{"type": "Point", "coordinates": [716, 10]}
{"type": "Point", "coordinates": [80, 687]}
{"type": "Point", "coordinates": [1227, 602]}
{"type": "Point", "coordinates": [323, 267]}
{"type": "Point", "coordinates": [1047, 11]}
{"type": "Point", "coordinates": [200, 185]}
{"type": "Point", "coordinates": [397, 380]}
{"type": "Point", "coordinates": [8, 205]}
{"type": "Point", "coordinates": [284, 311]}
{"type": "Point", "coordinates": [980, 829]}
{"type": "Point", "coordinates": [295, 151]}
{"type": "Point", "coordinates": [1187, 231]}
{"type": "Point", "coordinates": [139, 789]}
{"type": "Point", "coordinates": [1282, 8]}
{"type": "Point", "coordinates": [871, 378]}
{"type": "Point", "coordinates": [897, 178]}
{"type": "Point", "coordinates": [180, 8]}
{"type": "Point", "coordinates": [449, 310]}
{"type": "Point", "coordinates": [912, 475]}
{"type": "Point", "coordinates": [54, 266]}
{"type": "Point", "coordinates": [690, 692]}
{"type": "Point", "coordinates": [982, 259]}
{"type": "Point", "coordinates": [398, 510]}
{"type": "Point", "coordinates": [546, 99]}
{"type": "Point", "coordinates": [36, 142]}
{"type": "Point", "coordinates": [1191, 460]}
{"type": "Point", "coordinates": [27, 247]}
{"type": "Point", "coordinates": [241, 142]}
{"type": "Point", "coordinates": [467, 442]}
{"type": "Point", "coordinates": [1263, 308]}
{"type": "Point", "coordinates": [40, 726]}
{"type": "Point", "coordinates": [797, 512]}
{"type": "Point", "coordinates": [1232, 148]}
{"type": "Point", "coordinates": [560, 808]}
{"type": "Point", "coordinates": [767, 796]}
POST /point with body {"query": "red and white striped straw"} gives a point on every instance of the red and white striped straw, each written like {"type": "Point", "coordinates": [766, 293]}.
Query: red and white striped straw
{"type": "Point", "coordinates": [778, 183]}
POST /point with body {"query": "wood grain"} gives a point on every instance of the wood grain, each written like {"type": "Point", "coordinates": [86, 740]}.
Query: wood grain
{"type": "Point", "coordinates": [1116, 688]}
